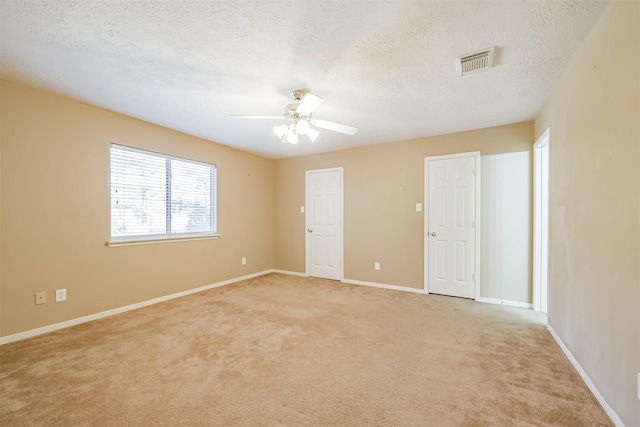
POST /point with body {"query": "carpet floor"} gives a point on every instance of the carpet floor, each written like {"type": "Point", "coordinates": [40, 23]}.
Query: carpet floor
{"type": "Point", "coordinates": [282, 350]}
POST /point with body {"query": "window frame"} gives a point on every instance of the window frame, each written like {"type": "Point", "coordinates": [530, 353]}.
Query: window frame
{"type": "Point", "coordinates": [168, 236]}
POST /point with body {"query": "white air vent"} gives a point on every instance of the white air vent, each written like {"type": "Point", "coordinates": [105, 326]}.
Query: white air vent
{"type": "Point", "coordinates": [474, 61]}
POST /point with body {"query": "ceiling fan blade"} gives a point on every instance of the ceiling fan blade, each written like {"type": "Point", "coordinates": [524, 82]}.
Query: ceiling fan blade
{"type": "Point", "coordinates": [336, 127]}
{"type": "Point", "coordinates": [308, 103]}
{"type": "Point", "coordinates": [235, 116]}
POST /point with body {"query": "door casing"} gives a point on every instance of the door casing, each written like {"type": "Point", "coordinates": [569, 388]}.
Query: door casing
{"type": "Point", "coordinates": [541, 222]}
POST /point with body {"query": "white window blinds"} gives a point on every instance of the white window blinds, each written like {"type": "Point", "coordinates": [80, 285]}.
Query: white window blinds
{"type": "Point", "coordinates": [154, 196]}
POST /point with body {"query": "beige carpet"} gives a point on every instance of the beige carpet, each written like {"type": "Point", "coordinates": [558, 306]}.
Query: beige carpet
{"type": "Point", "coordinates": [290, 351]}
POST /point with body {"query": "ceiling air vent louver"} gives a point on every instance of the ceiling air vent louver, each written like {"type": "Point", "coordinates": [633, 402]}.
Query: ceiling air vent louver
{"type": "Point", "coordinates": [475, 61]}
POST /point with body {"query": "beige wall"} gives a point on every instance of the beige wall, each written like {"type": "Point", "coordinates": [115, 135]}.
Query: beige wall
{"type": "Point", "coordinates": [55, 213]}
{"type": "Point", "coordinates": [594, 280]}
{"type": "Point", "coordinates": [382, 184]}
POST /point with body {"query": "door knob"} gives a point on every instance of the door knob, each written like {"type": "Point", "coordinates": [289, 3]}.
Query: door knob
{"type": "Point", "coordinates": [433, 234]}
{"type": "Point", "coordinates": [309, 230]}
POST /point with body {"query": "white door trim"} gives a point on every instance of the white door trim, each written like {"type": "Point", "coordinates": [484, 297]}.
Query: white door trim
{"type": "Point", "coordinates": [476, 156]}
{"type": "Point", "coordinates": [541, 221]}
{"type": "Point", "coordinates": [306, 217]}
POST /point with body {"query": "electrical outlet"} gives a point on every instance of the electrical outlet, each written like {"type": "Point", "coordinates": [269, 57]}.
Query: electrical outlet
{"type": "Point", "coordinates": [61, 295]}
{"type": "Point", "coordinates": [41, 298]}
{"type": "Point", "coordinates": [244, 260]}
{"type": "Point", "coordinates": [376, 266]}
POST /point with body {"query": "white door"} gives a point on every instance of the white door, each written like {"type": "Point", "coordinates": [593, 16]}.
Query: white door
{"type": "Point", "coordinates": [324, 223]}
{"type": "Point", "coordinates": [450, 224]}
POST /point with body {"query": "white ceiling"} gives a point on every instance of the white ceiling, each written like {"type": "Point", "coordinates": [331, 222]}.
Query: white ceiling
{"type": "Point", "coordinates": [386, 67]}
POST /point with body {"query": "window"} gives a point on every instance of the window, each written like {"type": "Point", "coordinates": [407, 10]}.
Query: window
{"type": "Point", "coordinates": [154, 196]}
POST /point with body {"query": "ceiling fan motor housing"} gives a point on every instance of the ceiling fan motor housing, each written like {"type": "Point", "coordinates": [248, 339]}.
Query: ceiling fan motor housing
{"type": "Point", "coordinates": [291, 113]}
{"type": "Point", "coordinates": [298, 94]}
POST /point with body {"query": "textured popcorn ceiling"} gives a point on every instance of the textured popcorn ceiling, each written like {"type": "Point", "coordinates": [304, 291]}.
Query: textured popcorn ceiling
{"type": "Point", "coordinates": [386, 67]}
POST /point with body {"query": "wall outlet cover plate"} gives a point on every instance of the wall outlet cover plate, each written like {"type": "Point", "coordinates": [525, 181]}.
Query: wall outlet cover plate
{"type": "Point", "coordinates": [41, 298]}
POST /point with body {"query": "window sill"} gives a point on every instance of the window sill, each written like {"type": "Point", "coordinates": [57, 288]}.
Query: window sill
{"type": "Point", "coordinates": [117, 243]}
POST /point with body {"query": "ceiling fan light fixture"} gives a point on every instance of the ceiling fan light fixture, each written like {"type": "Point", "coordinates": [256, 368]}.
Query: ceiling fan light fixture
{"type": "Point", "coordinates": [281, 130]}
{"type": "Point", "coordinates": [312, 134]}
{"type": "Point", "coordinates": [302, 127]}
{"type": "Point", "coordinates": [292, 138]}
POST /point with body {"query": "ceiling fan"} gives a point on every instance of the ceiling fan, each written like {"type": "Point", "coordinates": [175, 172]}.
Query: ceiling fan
{"type": "Point", "coordinates": [302, 122]}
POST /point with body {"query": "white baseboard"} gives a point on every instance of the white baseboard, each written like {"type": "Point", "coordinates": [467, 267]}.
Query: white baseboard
{"type": "Point", "coordinates": [505, 302]}
{"type": "Point", "coordinates": [422, 291]}
{"type": "Point", "coordinates": [608, 409]}
{"type": "Point", "coordinates": [50, 328]}
{"type": "Point", "coordinates": [290, 273]}
{"type": "Point", "coordinates": [384, 286]}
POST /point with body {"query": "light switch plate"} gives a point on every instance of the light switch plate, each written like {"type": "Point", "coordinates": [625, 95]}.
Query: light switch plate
{"type": "Point", "coordinates": [301, 209]}
{"type": "Point", "coordinates": [418, 207]}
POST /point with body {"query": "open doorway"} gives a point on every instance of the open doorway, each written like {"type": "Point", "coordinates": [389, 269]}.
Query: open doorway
{"type": "Point", "coordinates": [541, 222]}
